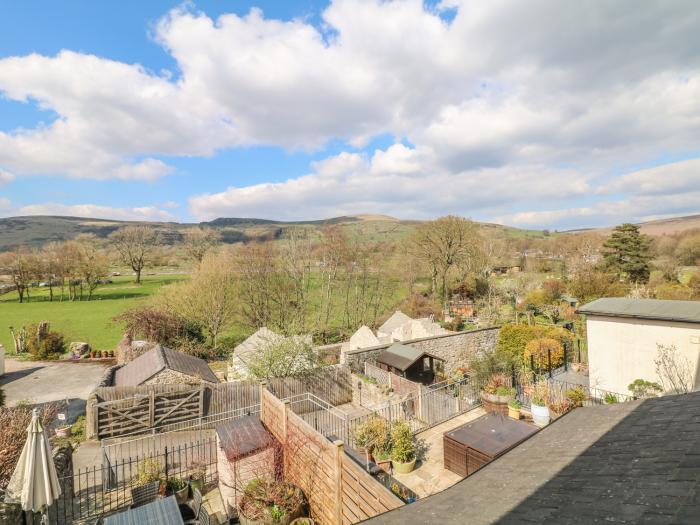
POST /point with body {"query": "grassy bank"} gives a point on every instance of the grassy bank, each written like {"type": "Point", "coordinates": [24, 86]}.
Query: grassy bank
{"type": "Point", "coordinates": [89, 321]}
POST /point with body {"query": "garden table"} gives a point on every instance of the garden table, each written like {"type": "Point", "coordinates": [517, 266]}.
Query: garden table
{"type": "Point", "coordinates": [159, 512]}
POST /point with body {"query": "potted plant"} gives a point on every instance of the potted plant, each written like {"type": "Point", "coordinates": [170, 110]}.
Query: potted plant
{"type": "Point", "coordinates": [382, 457]}
{"type": "Point", "coordinates": [539, 403]}
{"type": "Point", "coordinates": [560, 407]}
{"type": "Point", "coordinates": [403, 448]}
{"type": "Point", "coordinates": [104, 354]}
{"type": "Point", "coordinates": [496, 393]}
{"type": "Point", "coordinates": [148, 471]}
{"type": "Point", "coordinates": [266, 501]}
{"type": "Point", "coordinates": [197, 469]}
{"type": "Point", "coordinates": [180, 488]}
{"type": "Point", "coordinates": [371, 433]}
{"type": "Point", "coordinates": [514, 407]}
{"type": "Point", "coordinates": [110, 354]}
{"type": "Point", "coordinates": [92, 354]}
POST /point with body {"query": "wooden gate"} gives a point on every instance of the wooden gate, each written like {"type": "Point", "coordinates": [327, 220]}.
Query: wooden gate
{"type": "Point", "coordinates": [144, 411]}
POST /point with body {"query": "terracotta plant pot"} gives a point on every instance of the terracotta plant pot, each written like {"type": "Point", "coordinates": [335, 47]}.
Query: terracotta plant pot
{"type": "Point", "coordinates": [92, 355]}
{"type": "Point", "coordinates": [514, 412]}
{"type": "Point", "coordinates": [403, 468]}
{"type": "Point", "coordinates": [104, 354]}
{"type": "Point", "coordinates": [384, 464]}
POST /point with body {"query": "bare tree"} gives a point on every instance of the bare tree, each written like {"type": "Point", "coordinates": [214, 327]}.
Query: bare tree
{"type": "Point", "coordinates": [446, 244]}
{"type": "Point", "coordinates": [673, 369]}
{"type": "Point", "coordinates": [198, 241]}
{"type": "Point", "coordinates": [135, 245]}
{"type": "Point", "coordinates": [21, 265]}
{"type": "Point", "coordinates": [333, 254]}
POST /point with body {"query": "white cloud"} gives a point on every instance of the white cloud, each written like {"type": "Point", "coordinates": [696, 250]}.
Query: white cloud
{"type": "Point", "coordinates": [499, 118]}
{"type": "Point", "coordinates": [677, 177]}
{"type": "Point", "coordinates": [144, 213]}
{"type": "Point", "coordinates": [349, 183]}
{"type": "Point", "coordinates": [6, 177]}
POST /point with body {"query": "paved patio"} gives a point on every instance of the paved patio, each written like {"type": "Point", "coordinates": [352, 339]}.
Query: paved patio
{"type": "Point", "coordinates": [429, 476]}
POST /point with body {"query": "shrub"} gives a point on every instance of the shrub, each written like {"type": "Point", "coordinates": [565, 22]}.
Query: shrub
{"type": "Point", "coordinates": [403, 449]}
{"type": "Point", "coordinates": [148, 471]}
{"type": "Point", "coordinates": [540, 393]}
{"type": "Point", "coordinates": [372, 433]}
{"type": "Point", "coordinates": [269, 501]}
{"type": "Point", "coordinates": [576, 395]}
{"type": "Point", "coordinates": [514, 403]}
{"type": "Point", "coordinates": [14, 422]}
{"type": "Point", "coordinates": [47, 345]}
{"type": "Point", "coordinates": [540, 349]}
{"type": "Point", "coordinates": [513, 338]}
{"type": "Point", "coordinates": [610, 398]}
{"type": "Point", "coordinates": [496, 382]}
{"type": "Point", "coordinates": [642, 388]}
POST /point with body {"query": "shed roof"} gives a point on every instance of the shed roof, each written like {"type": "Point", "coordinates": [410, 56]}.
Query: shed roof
{"type": "Point", "coordinates": [402, 356]}
{"type": "Point", "coordinates": [633, 462]}
{"type": "Point", "coordinates": [243, 436]}
{"type": "Point", "coordinates": [157, 359]}
{"type": "Point", "coordinates": [657, 309]}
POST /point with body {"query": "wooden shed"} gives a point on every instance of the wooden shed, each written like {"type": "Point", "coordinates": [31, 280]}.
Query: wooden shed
{"type": "Point", "coordinates": [471, 446]}
{"type": "Point", "coordinates": [409, 362]}
{"type": "Point", "coordinates": [245, 450]}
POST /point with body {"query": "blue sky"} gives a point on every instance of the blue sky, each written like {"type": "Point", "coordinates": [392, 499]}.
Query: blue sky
{"type": "Point", "coordinates": [540, 116]}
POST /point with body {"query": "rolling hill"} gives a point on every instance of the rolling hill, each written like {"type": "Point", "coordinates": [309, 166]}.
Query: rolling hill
{"type": "Point", "coordinates": [37, 230]}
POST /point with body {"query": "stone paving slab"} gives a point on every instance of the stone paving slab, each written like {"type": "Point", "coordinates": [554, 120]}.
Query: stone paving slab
{"type": "Point", "coordinates": [429, 476]}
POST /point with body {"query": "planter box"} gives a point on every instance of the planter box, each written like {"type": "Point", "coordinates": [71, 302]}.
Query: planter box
{"type": "Point", "coordinates": [495, 403]}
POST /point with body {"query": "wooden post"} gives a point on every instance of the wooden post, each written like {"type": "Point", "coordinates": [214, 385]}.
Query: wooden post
{"type": "Point", "coordinates": [285, 412]}
{"type": "Point", "coordinates": [151, 408]}
{"type": "Point", "coordinates": [339, 451]}
{"type": "Point", "coordinates": [263, 387]}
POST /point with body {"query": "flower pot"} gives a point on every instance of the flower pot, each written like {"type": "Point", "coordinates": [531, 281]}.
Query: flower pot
{"type": "Point", "coordinates": [514, 412]}
{"type": "Point", "coordinates": [104, 354]}
{"type": "Point", "coordinates": [384, 464]}
{"type": "Point", "coordinates": [403, 468]}
{"type": "Point", "coordinates": [182, 495]}
{"type": "Point", "coordinates": [196, 484]}
{"type": "Point", "coordinates": [92, 355]}
{"type": "Point", "coordinates": [495, 403]}
{"type": "Point", "coordinates": [540, 415]}
{"type": "Point", "coordinates": [63, 432]}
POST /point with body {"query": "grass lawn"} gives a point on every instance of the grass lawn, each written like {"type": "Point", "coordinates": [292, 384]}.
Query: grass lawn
{"type": "Point", "coordinates": [89, 321]}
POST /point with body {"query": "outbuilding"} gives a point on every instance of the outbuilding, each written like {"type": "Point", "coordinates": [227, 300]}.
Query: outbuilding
{"type": "Point", "coordinates": [625, 337]}
{"type": "Point", "coordinates": [409, 362]}
{"type": "Point", "coordinates": [162, 365]}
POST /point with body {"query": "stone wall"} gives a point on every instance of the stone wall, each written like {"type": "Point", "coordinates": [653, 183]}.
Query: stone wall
{"type": "Point", "coordinates": [455, 349]}
{"type": "Point", "coordinates": [172, 377]}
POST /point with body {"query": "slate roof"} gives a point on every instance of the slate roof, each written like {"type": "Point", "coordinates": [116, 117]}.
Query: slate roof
{"type": "Point", "coordinates": [243, 436]}
{"type": "Point", "coordinates": [157, 359]}
{"type": "Point", "coordinates": [636, 462]}
{"type": "Point", "coordinates": [401, 356]}
{"type": "Point", "coordinates": [656, 309]}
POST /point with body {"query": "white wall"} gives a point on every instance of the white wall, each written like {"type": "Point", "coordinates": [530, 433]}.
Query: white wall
{"type": "Point", "coordinates": [621, 350]}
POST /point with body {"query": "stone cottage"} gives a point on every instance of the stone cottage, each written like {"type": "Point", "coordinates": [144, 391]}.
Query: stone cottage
{"type": "Point", "coordinates": [161, 365]}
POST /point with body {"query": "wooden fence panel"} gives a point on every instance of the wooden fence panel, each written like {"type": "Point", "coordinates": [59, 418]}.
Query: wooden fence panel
{"type": "Point", "coordinates": [363, 497]}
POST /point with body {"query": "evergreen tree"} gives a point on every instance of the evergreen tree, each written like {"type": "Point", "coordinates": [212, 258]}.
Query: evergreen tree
{"type": "Point", "coordinates": [627, 253]}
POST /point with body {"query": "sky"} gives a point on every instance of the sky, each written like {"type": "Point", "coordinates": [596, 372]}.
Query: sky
{"type": "Point", "coordinates": [538, 114]}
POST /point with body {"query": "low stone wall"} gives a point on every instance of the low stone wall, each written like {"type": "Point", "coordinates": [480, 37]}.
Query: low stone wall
{"type": "Point", "coordinates": [455, 349]}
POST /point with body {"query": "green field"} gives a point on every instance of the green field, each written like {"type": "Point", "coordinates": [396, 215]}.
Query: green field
{"type": "Point", "coordinates": [89, 321]}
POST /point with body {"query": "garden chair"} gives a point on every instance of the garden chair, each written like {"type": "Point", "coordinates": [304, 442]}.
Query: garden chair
{"type": "Point", "coordinates": [190, 511]}
{"type": "Point", "coordinates": [203, 517]}
{"type": "Point", "coordinates": [144, 494]}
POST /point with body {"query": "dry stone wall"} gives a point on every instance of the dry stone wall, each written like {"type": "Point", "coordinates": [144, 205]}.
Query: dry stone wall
{"type": "Point", "coordinates": [455, 349]}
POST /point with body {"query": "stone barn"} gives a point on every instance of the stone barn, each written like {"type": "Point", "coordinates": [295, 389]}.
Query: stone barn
{"type": "Point", "coordinates": [162, 365]}
{"type": "Point", "coordinates": [245, 451]}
